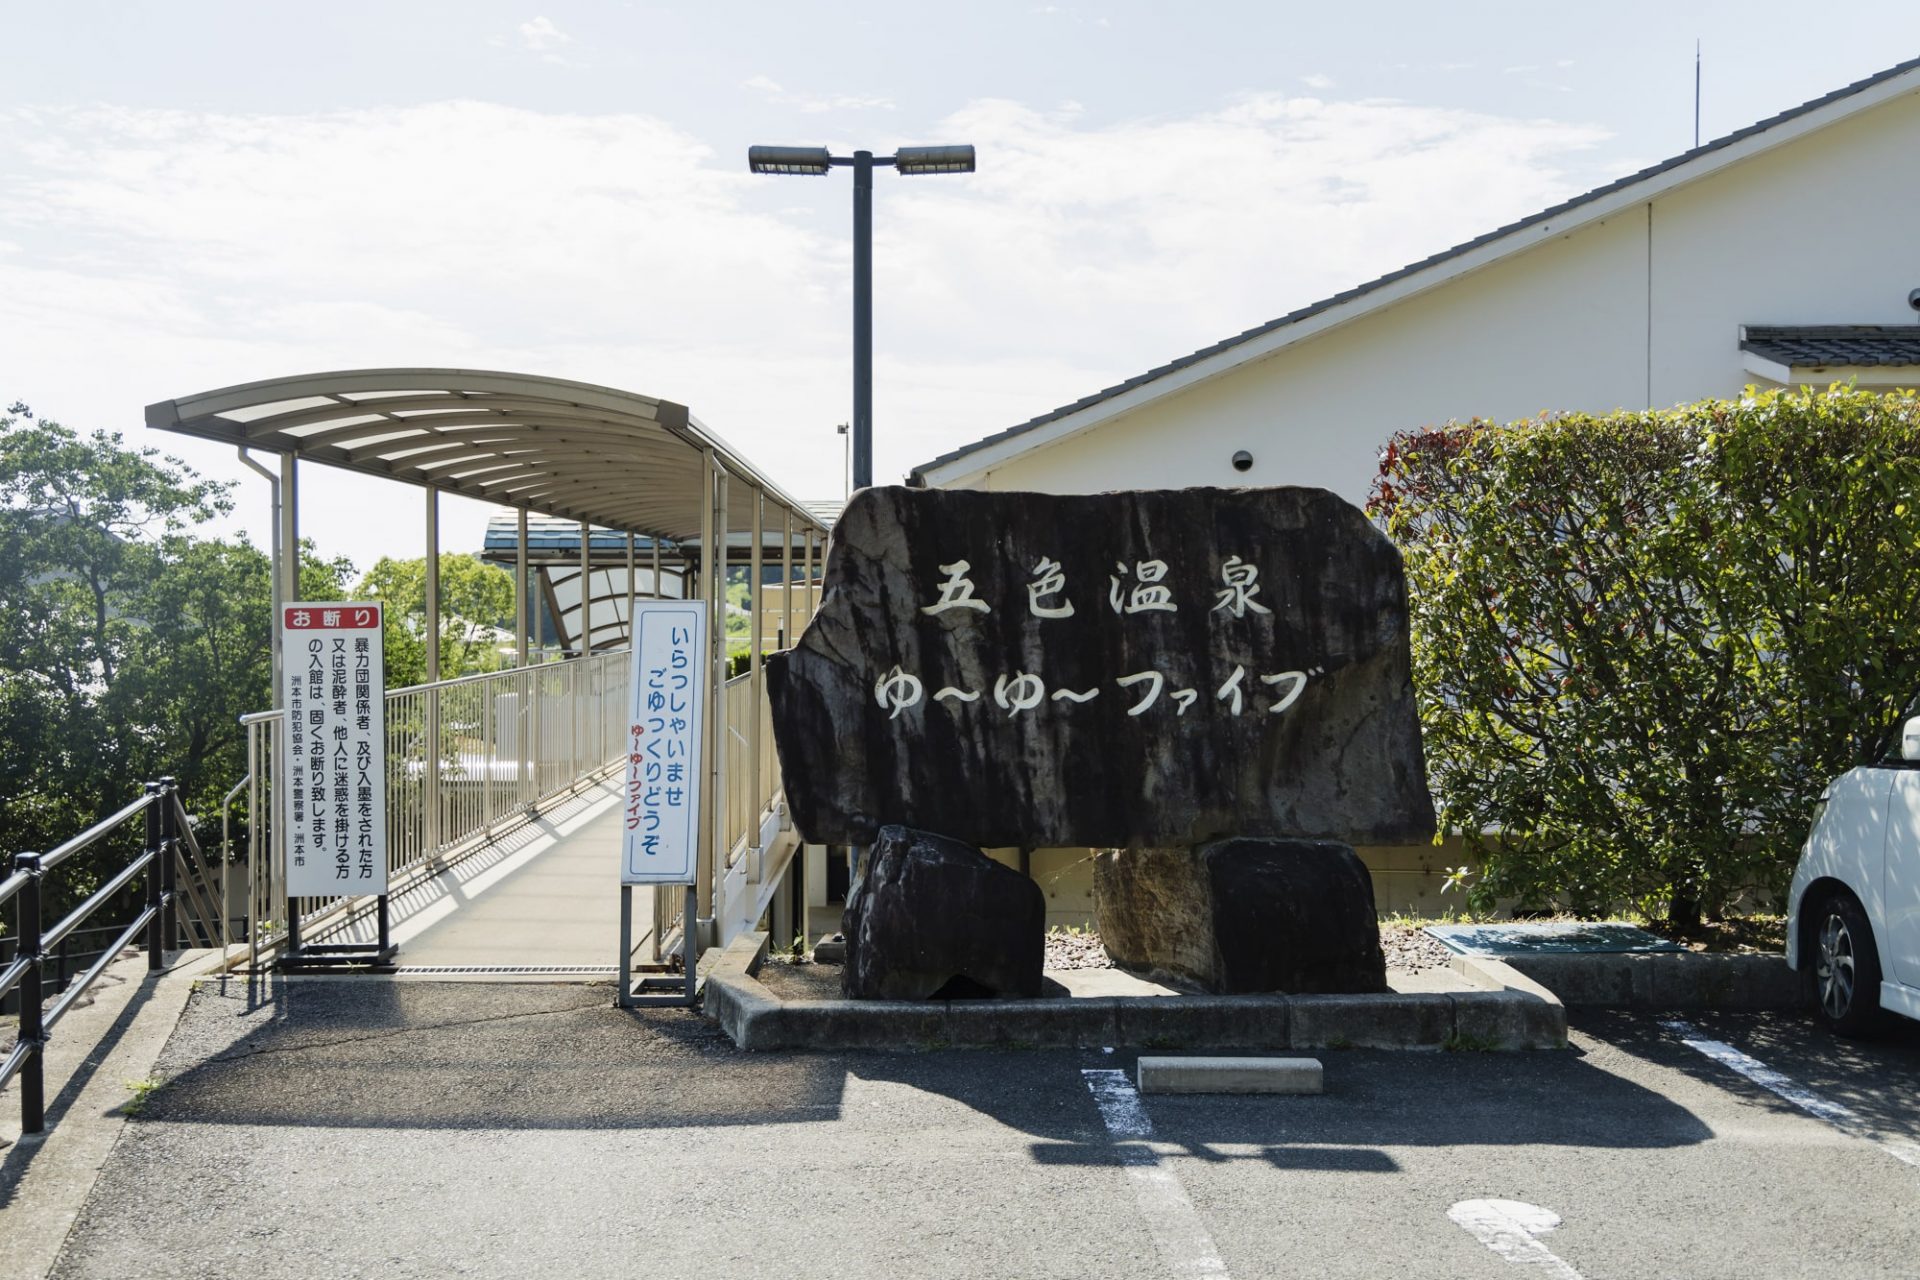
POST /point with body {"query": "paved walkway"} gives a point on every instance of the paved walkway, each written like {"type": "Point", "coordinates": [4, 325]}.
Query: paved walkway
{"type": "Point", "coordinates": [321, 1127]}
{"type": "Point", "coordinates": [546, 895]}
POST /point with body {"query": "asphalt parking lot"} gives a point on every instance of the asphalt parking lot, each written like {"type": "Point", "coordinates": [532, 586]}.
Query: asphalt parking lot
{"type": "Point", "coordinates": [363, 1128]}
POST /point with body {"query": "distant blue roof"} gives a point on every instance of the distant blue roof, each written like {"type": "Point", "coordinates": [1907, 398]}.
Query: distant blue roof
{"type": "Point", "coordinates": [546, 533]}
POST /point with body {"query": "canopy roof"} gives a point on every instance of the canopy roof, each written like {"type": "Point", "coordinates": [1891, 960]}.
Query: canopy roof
{"type": "Point", "coordinates": [570, 449]}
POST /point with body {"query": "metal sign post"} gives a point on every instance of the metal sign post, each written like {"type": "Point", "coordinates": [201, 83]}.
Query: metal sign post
{"type": "Point", "coordinates": [662, 790]}
{"type": "Point", "coordinates": [333, 808]}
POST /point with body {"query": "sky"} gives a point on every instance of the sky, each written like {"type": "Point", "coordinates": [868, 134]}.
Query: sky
{"type": "Point", "coordinates": [195, 194]}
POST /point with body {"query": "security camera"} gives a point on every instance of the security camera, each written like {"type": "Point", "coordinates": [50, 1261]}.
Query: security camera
{"type": "Point", "coordinates": [1243, 461]}
{"type": "Point", "coordinates": [1913, 299]}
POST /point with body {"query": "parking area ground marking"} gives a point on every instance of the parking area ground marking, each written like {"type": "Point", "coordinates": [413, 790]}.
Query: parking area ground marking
{"type": "Point", "coordinates": [1178, 1233]}
{"type": "Point", "coordinates": [1510, 1228]}
{"type": "Point", "coordinates": [1837, 1114]}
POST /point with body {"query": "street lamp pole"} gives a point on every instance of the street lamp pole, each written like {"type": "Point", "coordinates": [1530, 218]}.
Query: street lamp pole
{"type": "Point", "coordinates": [816, 161]}
{"type": "Point", "coordinates": [862, 319]}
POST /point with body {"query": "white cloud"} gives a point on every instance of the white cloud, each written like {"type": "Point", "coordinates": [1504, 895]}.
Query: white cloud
{"type": "Point", "coordinates": [1153, 238]}
{"type": "Point", "coordinates": [814, 104]}
{"type": "Point", "coordinates": [154, 254]}
{"type": "Point", "coordinates": [541, 36]}
{"type": "Point", "coordinates": [1317, 81]}
{"type": "Point", "coordinates": [1072, 15]}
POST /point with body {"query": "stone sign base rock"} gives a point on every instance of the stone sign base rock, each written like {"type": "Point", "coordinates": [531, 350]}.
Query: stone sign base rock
{"type": "Point", "coordinates": [935, 917]}
{"type": "Point", "coordinates": [1243, 915]}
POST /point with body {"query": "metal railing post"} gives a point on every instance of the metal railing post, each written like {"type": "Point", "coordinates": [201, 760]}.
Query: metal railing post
{"type": "Point", "coordinates": [156, 935]}
{"type": "Point", "coordinates": [489, 751]}
{"type": "Point", "coordinates": [523, 733]}
{"type": "Point", "coordinates": [33, 1088]}
{"type": "Point", "coordinates": [169, 866]}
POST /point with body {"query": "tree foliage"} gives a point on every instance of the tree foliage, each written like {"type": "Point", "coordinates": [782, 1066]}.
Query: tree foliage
{"type": "Point", "coordinates": [476, 604]}
{"type": "Point", "coordinates": [130, 646]}
{"type": "Point", "coordinates": [1642, 643]}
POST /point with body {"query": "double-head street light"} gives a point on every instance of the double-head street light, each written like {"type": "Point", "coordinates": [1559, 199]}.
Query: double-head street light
{"type": "Point", "coordinates": [816, 161]}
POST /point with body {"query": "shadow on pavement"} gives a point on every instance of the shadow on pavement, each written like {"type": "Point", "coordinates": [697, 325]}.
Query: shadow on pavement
{"type": "Point", "coordinates": [1877, 1079]}
{"type": "Point", "coordinates": [371, 1053]}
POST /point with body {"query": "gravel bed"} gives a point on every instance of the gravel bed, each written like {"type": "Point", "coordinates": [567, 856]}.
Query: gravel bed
{"type": "Point", "coordinates": [800, 979]}
{"type": "Point", "coordinates": [1078, 949]}
{"type": "Point", "coordinates": [1407, 948]}
{"type": "Point", "coordinates": [1412, 949]}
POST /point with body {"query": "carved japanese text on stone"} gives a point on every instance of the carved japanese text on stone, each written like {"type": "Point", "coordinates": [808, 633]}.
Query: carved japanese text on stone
{"type": "Point", "coordinates": [1141, 668]}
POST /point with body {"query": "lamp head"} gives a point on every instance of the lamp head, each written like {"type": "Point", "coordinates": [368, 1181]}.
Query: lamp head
{"type": "Point", "coordinates": [807, 160]}
{"type": "Point", "coordinates": [934, 159]}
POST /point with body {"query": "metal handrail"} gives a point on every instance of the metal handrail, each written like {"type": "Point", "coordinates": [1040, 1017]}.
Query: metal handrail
{"type": "Point", "coordinates": [226, 863]}
{"type": "Point", "coordinates": [76, 988]}
{"type": "Point", "coordinates": [60, 853]}
{"type": "Point", "coordinates": [55, 936]}
{"type": "Point", "coordinates": [159, 849]}
{"type": "Point", "coordinates": [198, 881]}
{"type": "Point", "coordinates": [465, 758]}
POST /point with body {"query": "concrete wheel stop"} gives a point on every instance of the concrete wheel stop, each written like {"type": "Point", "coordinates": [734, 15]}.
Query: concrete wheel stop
{"type": "Point", "coordinates": [1230, 1075]}
{"type": "Point", "coordinates": [1493, 1007]}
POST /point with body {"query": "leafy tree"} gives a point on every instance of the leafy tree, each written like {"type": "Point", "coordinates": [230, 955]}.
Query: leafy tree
{"type": "Point", "coordinates": [476, 602]}
{"type": "Point", "coordinates": [129, 647]}
{"type": "Point", "coordinates": [739, 616]}
{"type": "Point", "coordinates": [1642, 643]}
{"type": "Point", "coordinates": [204, 656]}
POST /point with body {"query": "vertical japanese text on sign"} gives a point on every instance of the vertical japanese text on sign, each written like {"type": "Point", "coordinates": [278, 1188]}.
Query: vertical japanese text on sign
{"type": "Point", "coordinates": [660, 840]}
{"type": "Point", "coordinates": [334, 805]}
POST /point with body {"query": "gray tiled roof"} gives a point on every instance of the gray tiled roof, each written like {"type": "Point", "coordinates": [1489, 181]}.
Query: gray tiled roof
{"type": "Point", "coordinates": [918, 474]}
{"type": "Point", "coordinates": [1817, 346]}
{"type": "Point", "coordinates": [554, 533]}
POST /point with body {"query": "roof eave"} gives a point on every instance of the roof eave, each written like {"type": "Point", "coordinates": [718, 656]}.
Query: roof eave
{"type": "Point", "coordinates": [971, 462]}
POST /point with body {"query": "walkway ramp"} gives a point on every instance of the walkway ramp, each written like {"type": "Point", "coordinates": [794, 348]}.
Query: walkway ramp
{"type": "Point", "coordinates": [544, 898]}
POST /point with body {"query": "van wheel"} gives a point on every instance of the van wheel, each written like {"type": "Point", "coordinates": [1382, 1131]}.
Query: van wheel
{"type": "Point", "coordinates": [1845, 974]}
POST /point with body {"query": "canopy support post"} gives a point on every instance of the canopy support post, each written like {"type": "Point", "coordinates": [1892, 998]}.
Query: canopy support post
{"type": "Point", "coordinates": [786, 582]}
{"type": "Point", "coordinates": [430, 758]}
{"type": "Point", "coordinates": [523, 683]}
{"type": "Point", "coordinates": [710, 738]}
{"type": "Point", "coordinates": [520, 588]}
{"type": "Point", "coordinates": [586, 590]}
{"type": "Point", "coordinates": [631, 590]}
{"type": "Point", "coordinates": [755, 618]}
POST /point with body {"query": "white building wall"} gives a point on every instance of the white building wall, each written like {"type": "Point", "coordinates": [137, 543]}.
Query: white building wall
{"type": "Point", "coordinates": [1825, 230]}
{"type": "Point", "coordinates": [1818, 230]}
{"type": "Point", "coordinates": [1640, 310]}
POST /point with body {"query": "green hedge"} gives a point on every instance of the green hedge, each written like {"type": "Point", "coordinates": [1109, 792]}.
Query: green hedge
{"type": "Point", "coordinates": [1643, 642]}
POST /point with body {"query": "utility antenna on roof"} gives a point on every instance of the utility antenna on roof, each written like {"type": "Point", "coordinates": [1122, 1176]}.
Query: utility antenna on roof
{"type": "Point", "coordinates": [1696, 92]}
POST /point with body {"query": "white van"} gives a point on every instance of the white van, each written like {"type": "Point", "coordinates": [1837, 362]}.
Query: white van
{"type": "Point", "coordinates": [1853, 914]}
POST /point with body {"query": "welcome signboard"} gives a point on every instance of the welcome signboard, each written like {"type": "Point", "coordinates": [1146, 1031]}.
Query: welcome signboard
{"type": "Point", "coordinates": [333, 805]}
{"type": "Point", "coordinates": [661, 785]}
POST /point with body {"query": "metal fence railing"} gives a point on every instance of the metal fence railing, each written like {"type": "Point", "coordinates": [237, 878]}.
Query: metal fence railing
{"type": "Point", "coordinates": [463, 757]}
{"type": "Point", "coordinates": [177, 905]}
{"type": "Point", "coordinates": [743, 803]}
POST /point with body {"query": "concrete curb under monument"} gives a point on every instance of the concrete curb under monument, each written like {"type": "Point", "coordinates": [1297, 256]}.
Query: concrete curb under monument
{"type": "Point", "coordinates": [1508, 1011]}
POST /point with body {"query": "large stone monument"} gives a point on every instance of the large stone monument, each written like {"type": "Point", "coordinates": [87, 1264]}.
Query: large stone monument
{"type": "Point", "coordinates": [1140, 671]}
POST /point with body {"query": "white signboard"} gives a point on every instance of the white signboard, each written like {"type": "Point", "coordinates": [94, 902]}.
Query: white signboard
{"type": "Point", "coordinates": [662, 822]}
{"type": "Point", "coordinates": [334, 804]}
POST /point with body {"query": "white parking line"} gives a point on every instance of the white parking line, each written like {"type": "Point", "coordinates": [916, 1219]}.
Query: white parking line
{"type": "Point", "coordinates": [1508, 1227]}
{"type": "Point", "coordinates": [1837, 1114]}
{"type": "Point", "coordinates": [1171, 1219]}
